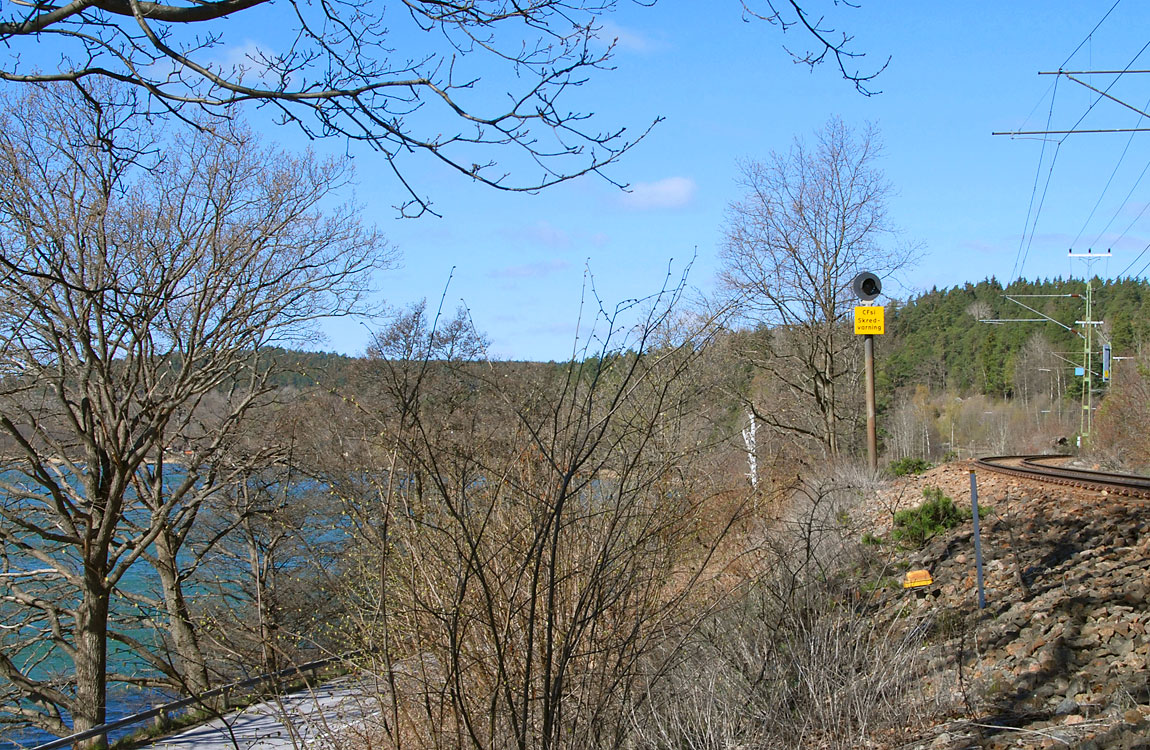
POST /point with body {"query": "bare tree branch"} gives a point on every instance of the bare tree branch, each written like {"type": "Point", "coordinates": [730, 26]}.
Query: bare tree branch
{"type": "Point", "coordinates": [146, 276]}
{"type": "Point", "coordinates": [810, 220]}
{"type": "Point", "coordinates": [479, 86]}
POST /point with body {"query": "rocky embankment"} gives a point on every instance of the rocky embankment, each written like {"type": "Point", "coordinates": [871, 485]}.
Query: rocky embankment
{"type": "Point", "coordinates": [1060, 656]}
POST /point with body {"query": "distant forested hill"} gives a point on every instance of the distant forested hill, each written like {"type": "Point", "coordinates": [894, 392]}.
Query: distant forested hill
{"type": "Point", "coordinates": [302, 369]}
{"type": "Point", "coordinates": [936, 340]}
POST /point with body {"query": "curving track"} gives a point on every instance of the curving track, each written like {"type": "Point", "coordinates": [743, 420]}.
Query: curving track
{"type": "Point", "coordinates": [1040, 469]}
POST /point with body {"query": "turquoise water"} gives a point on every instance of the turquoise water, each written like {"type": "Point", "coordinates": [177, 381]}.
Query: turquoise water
{"type": "Point", "coordinates": [122, 701]}
{"type": "Point", "coordinates": [141, 579]}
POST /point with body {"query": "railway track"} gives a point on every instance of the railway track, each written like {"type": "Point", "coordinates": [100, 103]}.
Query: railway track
{"type": "Point", "coordinates": [1040, 468]}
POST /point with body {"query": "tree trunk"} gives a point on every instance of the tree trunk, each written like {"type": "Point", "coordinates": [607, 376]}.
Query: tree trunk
{"type": "Point", "coordinates": [91, 660]}
{"type": "Point", "coordinates": [260, 571]}
{"type": "Point", "coordinates": [828, 403]}
{"type": "Point", "coordinates": [190, 662]}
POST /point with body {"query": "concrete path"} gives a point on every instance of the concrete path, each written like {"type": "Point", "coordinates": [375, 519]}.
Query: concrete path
{"type": "Point", "coordinates": [335, 715]}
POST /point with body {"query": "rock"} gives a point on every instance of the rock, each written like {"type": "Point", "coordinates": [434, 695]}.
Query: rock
{"type": "Point", "coordinates": [1067, 706]}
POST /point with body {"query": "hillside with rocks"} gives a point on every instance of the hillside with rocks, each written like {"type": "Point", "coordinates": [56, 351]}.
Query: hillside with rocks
{"type": "Point", "coordinates": [1060, 656]}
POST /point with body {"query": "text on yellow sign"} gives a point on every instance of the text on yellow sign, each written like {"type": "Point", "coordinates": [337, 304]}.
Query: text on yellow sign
{"type": "Point", "coordinates": [870, 319]}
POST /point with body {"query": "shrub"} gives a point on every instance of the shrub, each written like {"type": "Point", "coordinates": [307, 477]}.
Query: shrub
{"type": "Point", "coordinates": [908, 465]}
{"type": "Point", "coordinates": [916, 526]}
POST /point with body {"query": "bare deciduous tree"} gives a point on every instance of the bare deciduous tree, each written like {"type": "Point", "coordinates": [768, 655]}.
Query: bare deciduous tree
{"type": "Point", "coordinates": [1121, 436]}
{"type": "Point", "coordinates": [141, 276]}
{"type": "Point", "coordinates": [1038, 372]}
{"type": "Point", "coordinates": [535, 539]}
{"type": "Point", "coordinates": [912, 425]}
{"type": "Point", "coordinates": [811, 219]}
{"type": "Point", "coordinates": [461, 81]}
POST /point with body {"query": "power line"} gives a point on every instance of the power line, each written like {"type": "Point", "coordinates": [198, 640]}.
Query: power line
{"type": "Point", "coordinates": [1136, 259]}
{"type": "Point", "coordinates": [1098, 239]}
{"type": "Point", "coordinates": [1106, 92]}
{"type": "Point", "coordinates": [1071, 55]}
{"type": "Point", "coordinates": [1089, 72]}
{"type": "Point", "coordinates": [1101, 94]}
{"type": "Point", "coordinates": [1106, 189]}
{"type": "Point", "coordinates": [1025, 243]}
{"type": "Point", "coordinates": [1084, 41]}
{"type": "Point", "coordinates": [1041, 203]}
{"type": "Point", "coordinates": [1015, 272]}
{"type": "Point", "coordinates": [1050, 173]}
{"type": "Point", "coordinates": [1092, 131]}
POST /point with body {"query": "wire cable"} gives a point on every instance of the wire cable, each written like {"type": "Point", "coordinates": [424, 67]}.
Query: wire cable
{"type": "Point", "coordinates": [1143, 271]}
{"type": "Point", "coordinates": [1105, 92]}
{"type": "Point", "coordinates": [1136, 259]}
{"type": "Point", "coordinates": [1106, 189]}
{"type": "Point", "coordinates": [1090, 35]}
{"type": "Point", "coordinates": [1016, 271]}
{"type": "Point", "coordinates": [1068, 58]}
{"type": "Point", "coordinates": [1133, 221]}
{"type": "Point", "coordinates": [1025, 244]}
{"type": "Point", "coordinates": [1041, 203]}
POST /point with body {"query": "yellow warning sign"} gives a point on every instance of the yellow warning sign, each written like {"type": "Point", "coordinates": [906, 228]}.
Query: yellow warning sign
{"type": "Point", "coordinates": [870, 319]}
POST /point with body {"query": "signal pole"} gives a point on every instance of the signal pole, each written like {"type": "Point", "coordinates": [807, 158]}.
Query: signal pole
{"type": "Point", "coordinates": [869, 321]}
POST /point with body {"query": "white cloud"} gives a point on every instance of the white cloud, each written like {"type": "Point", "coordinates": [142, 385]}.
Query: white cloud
{"type": "Point", "coordinates": [672, 192]}
{"type": "Point", "coordinates": [530, 270]}
{"type": "Point", "coordinates": [248, 58]}
{"type": "Point", "coordinates": [544, 233]}
{"type": "Point", "coordinates": [540, 233]}
{"type": "Point", "coordinates": [626, 39]}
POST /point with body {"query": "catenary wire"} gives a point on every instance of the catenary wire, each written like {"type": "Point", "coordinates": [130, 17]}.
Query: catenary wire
{"type": "Point", "coordinates": [1024, 244]}
{"type": "Point", "coordinates": [1143, 271]}
{"type": "Point", "coordinates": [1024, 255]}
{"type": "Point", "coordinates": [1091, 34]}
{"type": "Point", "coordinates": [1106, 189]}
{"type": "Point", "coordinates": [1136, 259]}
{"type": "Point", "coordinates": [1133, 221]}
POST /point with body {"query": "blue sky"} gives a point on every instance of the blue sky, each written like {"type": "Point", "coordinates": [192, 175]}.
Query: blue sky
{"type": "Point", "coordinates": [728, 91]}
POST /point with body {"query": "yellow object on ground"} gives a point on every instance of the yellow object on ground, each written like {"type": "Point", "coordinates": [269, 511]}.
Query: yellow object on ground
{"type": "Point", "coordinates": [916, 578]}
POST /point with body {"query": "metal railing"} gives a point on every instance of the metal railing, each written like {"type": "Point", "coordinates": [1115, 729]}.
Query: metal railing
{"type": "Point", "coordinates": [162, 712]}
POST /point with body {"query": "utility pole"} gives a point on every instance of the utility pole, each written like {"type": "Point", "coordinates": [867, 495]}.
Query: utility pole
{"type": "Point", "coordinates": [1086, 421]}
{"type": "Point", "coordinates": [1083, 328]}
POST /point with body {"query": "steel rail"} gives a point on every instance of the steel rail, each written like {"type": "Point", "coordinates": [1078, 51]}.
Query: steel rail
{"type": "Point", "coordinates": [1033, 467]}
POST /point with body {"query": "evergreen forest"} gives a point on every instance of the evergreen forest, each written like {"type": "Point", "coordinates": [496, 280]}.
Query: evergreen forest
{"type": "Point", "coordinates": [935, 338]}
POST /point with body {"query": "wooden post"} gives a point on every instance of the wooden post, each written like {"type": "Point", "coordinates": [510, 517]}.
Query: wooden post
{"type": "Point", "coordinates": [871, 413]}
